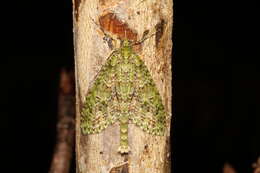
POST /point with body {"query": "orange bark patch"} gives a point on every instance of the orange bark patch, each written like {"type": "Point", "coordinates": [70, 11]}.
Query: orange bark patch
{"type": "Point", "coordinates": [112, 24]}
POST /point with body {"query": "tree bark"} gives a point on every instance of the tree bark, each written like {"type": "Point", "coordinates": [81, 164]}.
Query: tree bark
{"type": "Point", "coordinates": [129, 19]}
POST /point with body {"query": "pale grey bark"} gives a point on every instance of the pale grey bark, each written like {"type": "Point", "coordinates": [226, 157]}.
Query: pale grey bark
{"type": "Point", "coordinates": [98, 153]}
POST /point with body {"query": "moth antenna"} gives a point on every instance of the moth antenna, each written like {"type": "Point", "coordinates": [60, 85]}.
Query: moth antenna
{"type": "Point", "coordinates": [143, 39]}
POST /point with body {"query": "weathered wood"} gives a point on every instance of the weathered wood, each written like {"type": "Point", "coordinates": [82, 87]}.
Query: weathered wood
{"type": "Point", "coordinates": [129, 19]}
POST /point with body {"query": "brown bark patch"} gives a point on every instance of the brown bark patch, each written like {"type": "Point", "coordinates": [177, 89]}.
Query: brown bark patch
{"type": "Point", "coordinates": [120, 169]}
{"type": "Point", "coordinates": [76, 8]}
{"type": "Point", "coordinates": [109, 22]}
{"type": "Point", "coordinates": [146, 149]}
{"type": "Point", "coordinates": [102, 2]}
{"type": "Point", "coordinates": [159, 31]}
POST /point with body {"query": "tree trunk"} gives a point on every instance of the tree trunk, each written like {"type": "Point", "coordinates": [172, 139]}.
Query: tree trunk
{"type": "Point", "coordinates": [98, 27]}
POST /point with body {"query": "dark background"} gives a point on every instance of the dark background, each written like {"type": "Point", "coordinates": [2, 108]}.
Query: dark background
{"type": "Point", "coordinates": [216, 83]}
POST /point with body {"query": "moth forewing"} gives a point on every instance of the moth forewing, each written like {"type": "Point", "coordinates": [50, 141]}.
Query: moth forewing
{"type": "Point", "coordinates": [124, 91]}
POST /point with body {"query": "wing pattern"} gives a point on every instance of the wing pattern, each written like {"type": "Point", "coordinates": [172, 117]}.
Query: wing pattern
{"type": "Point", "coordinates": [125, 91]}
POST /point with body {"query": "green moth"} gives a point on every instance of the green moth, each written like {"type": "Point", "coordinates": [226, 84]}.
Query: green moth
{"type": "Point", "coordinates": [123, 91]}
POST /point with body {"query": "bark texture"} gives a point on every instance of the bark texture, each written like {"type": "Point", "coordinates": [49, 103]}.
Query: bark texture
{"type": "Point", "coordinates": [130, 19]}
{"type": "Point", "coordinates": [65, 127]}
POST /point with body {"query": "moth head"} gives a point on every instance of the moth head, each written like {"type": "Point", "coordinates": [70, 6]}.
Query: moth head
{"type": "Point", "coordinates": [126, 48]}
{"type": "Point", "coordinates": [126, 43]}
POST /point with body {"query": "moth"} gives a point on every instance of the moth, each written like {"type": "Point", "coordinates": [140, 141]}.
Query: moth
{"type": "Point", "coordinates": [123, 91]}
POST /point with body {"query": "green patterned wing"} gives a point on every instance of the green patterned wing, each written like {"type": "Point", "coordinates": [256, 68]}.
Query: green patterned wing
{"type": "Point", "coordinates": [124, 86]}
{"type": "Point", "coordinates": [148, 110]}
{"type": "Point", "coordinates": [100, 106]}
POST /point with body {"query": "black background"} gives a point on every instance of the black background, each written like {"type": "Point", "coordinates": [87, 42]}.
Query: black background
{"type": "Point", "coordinates": [216, 83]}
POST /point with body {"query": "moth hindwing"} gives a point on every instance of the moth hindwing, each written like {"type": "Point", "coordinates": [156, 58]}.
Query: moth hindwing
{"type": "Point", "coordinates": [123, 91]}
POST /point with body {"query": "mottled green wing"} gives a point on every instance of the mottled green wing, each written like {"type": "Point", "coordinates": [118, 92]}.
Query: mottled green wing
{"type": "Point", "coordinates": [100, 106]}
{"type": "Point", "coordinates": [148, 110]}
{"type": "Point", "coordinates": [123, 84]}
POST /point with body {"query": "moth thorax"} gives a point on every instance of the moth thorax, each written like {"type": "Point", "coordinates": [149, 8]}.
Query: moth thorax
{"type": "Point", "coordinates": [126, 43]}
{"type": "Point", "coordinates": [126, 52]}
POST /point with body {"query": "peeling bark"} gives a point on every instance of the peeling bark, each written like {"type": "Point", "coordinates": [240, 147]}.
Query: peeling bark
{"type": "Point", "coordinates": [130, 20]}
{"type": "Point", "coordinates": [109, 22]}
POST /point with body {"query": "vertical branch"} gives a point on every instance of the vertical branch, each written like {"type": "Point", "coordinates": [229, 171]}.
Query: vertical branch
{"type": "Point", "coordinates": [65, 127]}
{"type": "Point", "coordinates": [228, 168]}
{"type": "Point", "coordinates": [256, 166]}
